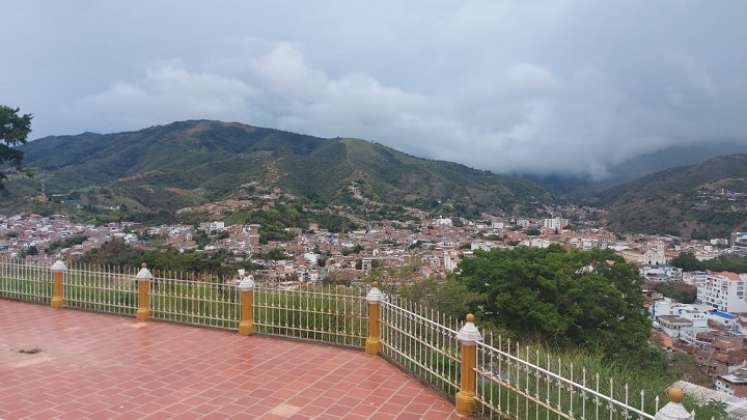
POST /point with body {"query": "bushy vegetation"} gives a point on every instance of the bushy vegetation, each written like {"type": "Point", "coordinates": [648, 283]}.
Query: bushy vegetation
{"type": "Point", "coordinates": [582, 307]}
{"type": "Point", "coordinates": [683, 201]}
{"type": "Point", "coordinates": [117, 253]}
{"type": "Point", "coordinates": [65, 243]}
{"type": "Point", "coordinates": [276, 221]}
{"type": "Point", "coordinates": [688, 262]}
{"type": "Point", "coordinates": [590, 299]}
{"type": "Point", "coordinates": [676, 290]}
{"type": "Point", "coordinates": [14, 131]}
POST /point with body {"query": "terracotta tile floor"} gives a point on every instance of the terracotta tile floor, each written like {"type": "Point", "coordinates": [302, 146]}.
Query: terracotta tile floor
{"type": "Point", "coordinates": [100, 366]}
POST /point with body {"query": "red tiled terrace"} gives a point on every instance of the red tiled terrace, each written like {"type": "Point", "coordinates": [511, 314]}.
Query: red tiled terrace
{"type": "Point", "coordinates": [96, 366]}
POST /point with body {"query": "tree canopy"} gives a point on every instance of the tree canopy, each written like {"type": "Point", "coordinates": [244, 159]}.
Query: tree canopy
{"type": "Point", "coordinates": [14, 131]}
{"type": "Point", "coordinates": [117, 253]}
{"type": "Point", "coordinates": [591, 299]}
{"type": "Point", "coordinates": [688, 262]}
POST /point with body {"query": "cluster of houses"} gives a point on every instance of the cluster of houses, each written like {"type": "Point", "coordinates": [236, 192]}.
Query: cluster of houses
{"type": "Point", "coordinates": [31, 236]}
{"type": "Point", "coordinates": [713, 330]}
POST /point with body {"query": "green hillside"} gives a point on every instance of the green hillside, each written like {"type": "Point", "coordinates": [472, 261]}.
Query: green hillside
{"type": "Point", "coordinates": [160, 169]}
{"type": "Point", "coordinates": [700, 201]}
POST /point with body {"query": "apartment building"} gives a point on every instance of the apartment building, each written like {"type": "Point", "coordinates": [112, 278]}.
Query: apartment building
{"type": "Point", "coordinates": [724, 291]}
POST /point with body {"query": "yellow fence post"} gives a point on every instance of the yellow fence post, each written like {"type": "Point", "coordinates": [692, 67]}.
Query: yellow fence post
{"type": "Point", "coordinates": [468, 336]}
{"type": "Point", "coordinates": [143, 279]}
{"type": "Point", "coordinates": [58, 271]}
{"type": "Point", "coordinates": [246, 288]}
{"type": "Point", "coordinates": [374, 298]}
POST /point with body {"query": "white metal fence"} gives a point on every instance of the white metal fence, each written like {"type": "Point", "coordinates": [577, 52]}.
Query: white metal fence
{"type": "Point", "coordinates": [321, 313]}
{"type": "Point", "coordinates": [26, 282]}
{"type": "Point", "coordinates": [207, 303]}
{"type": "Point", "coordinates": [419, 340]}
{"type": "Point", "coordinates": [512, 382]}
{"type": "Point", "coordinates": [100, 289]}
{"type": "Point", "coordinates": [332, 314]}
{"type": "Point", "coordinates": [522, 383]}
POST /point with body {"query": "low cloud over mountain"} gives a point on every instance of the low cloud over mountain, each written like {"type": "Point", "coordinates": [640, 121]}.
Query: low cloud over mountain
{"type": "Point", "coordinates": [512, 86]}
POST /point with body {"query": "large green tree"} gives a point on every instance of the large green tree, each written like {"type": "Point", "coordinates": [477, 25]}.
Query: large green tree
{"type": "Point", "coordinates": [566, 297]}
{"type": "Point", "coordinates": [14, 131]}
{"type": "Point", "coordinates": [688, 262]}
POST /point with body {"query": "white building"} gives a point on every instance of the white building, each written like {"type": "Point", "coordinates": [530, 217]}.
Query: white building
{"type": "Point", "coordinates": [655, 255]}
{"type": "Point", "coordinates": [213, 226]}
{"type": "Point", "coordinates": [449, 264]}
{"type": "Point", "coordinates": [443, 221]}
{"type": "Point", "coordinates": [724, 291]}
{"type": "Point", "coordinates": [695, 278]}
{"type": "Point", "coordinates": [674, 326]}
{"type": "Point", "coordinates": [555, 223]}
{"type": "Point", "coordinates": [482, 245]}
{"type": "Point", "coordinates": [680, 320]}
{"type": "Point", "coordinates": [536, 243]}
{"type": "Point", "coordinates": [733, 383]}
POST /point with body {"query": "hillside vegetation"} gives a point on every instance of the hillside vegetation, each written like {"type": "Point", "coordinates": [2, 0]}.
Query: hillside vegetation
{"type": "Point", "coordinates": [699, 201]}
{"type": "Point", "coordinates": [155, 171]}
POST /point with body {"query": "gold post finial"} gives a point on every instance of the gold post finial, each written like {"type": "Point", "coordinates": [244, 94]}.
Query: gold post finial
{"type": "Point", "coordinates": [675, 394]}
{"type": "Point", "coordinates": [470, 318]}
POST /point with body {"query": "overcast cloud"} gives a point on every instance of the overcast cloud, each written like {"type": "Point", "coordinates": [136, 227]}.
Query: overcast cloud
{"type": "Point", "coordinates": [525, 85]}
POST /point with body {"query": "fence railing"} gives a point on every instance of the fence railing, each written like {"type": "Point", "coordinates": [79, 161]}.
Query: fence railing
{"type": "Point", "coordinates": [313, 312]}
{"type": "Point", "coordinates": [111, 290]}
{"type": "Point", "coordinates": [490, 377]}
{"type": "Point", "coordinates": [519, 382]}
{"type": "Point", "coordinates": [202, 303]}
{"type": "Point", "coordinates": [26, 282]}
{"type": "Point", "coordinates": [419, 340]}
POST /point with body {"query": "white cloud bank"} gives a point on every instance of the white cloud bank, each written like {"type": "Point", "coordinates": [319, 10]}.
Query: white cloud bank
{"type": "Point", "coordinates": [532, 86]}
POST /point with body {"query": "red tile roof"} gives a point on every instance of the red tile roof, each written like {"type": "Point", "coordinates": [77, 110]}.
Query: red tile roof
{"type": "Point", "coordinates": [729, 275]}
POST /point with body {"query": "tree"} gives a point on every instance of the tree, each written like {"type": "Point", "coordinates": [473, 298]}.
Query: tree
{"type": "Point", "coordinates": [14, 130]}
{"type": "Point", "coordinates": [533, 232]}
{"type": "Point", "coordinates": [589, 299]}
{"type": "Point", "coordinates": [677, 290]}
{"type": "Point", "coordinates": [31, 250]}
{"type": "Point", "coordinates": [687, 262]}
{"type": "Point", "coordinates": [450, 296]}
{"type": "Point", "coordinates": [275, 254]}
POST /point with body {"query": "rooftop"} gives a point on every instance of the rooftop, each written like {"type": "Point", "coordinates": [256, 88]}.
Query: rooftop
{"type": "Point", "coordinates": [73, 364]}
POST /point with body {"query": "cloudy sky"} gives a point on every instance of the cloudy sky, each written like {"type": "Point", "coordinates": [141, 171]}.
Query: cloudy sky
{"type": "Point", "coordinates": [507, 85]}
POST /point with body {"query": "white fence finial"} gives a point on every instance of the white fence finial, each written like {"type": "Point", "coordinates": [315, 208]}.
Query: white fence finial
{"type": "Point", "coordinates": [58, 266]}
{"type": "Point", "coordinates": [144, 273]}
{"type": "Point", "coordinates": [469, 334]}
{"type": "Point", "coordinates": [374, 295]}
{"type": "Point", "coordinates": [674, 410]}
{"type": "Point", "coordinates": [246, 283]}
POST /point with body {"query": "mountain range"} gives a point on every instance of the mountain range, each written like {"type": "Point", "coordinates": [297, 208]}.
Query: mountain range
{"type": "Point", "coordinates": [165, 168]}
{"type": "Point", "coordinates": [705, 200]}
{"type": "Point", "coordinates": [161, 169]}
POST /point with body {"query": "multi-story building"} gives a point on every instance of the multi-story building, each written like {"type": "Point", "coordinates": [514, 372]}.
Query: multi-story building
{"type": "Point", "coordinates": [555, 223]}
{"type": "Point", "coordinates": [733, 383]}
{"type": "Point", "coordinates": [724, 291]}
